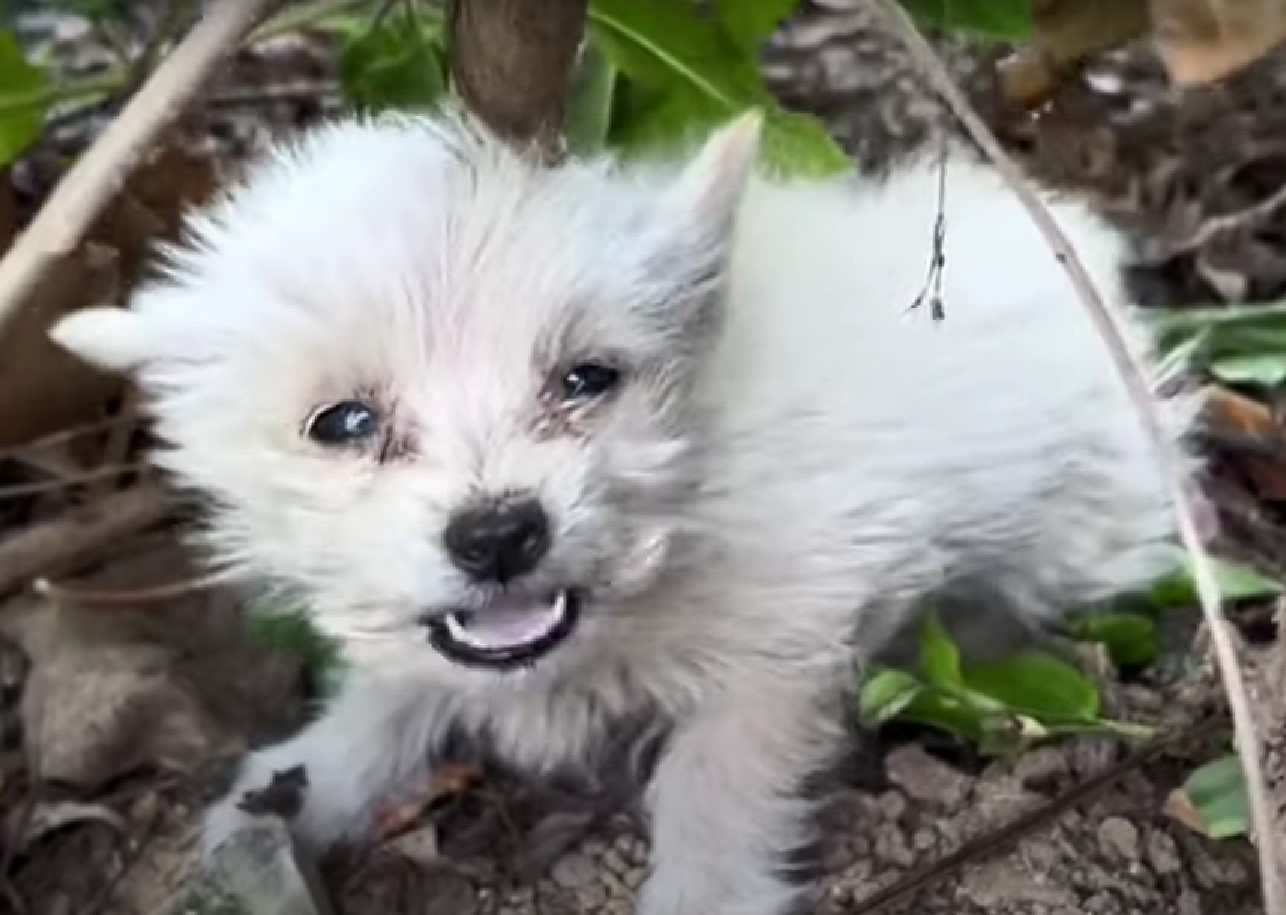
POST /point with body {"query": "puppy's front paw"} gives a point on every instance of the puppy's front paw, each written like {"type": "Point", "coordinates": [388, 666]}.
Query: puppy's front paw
{"type": "Point", "coordinates": [281, 794]}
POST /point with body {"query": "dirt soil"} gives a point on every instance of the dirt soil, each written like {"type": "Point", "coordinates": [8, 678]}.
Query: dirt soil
{"type": "Point", "coordinates": [139, 710]}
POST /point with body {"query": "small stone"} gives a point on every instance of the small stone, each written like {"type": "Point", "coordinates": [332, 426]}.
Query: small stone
{"type": "Point", "coordinates": [925, 778]}
{"type": "Point", "coordinates": [592, 897]}
{"type": "Point", "coordinates": [924, 839]}
{"type": "Point", "coordinates": [419, 845]}
{"type": "Point", "coordinates": [1189, 903]}
{"type": "Point", "coordinates": [1163, 853]}
{"type": "Point", "coordinates": [574, 870]}
{"type": "Point", "coordinates": [892, 805]}
{"type": "Point", "coordinates": [1038, 768]}
{"type": "Point", "coordinates": [891, 846]}
{"type": "Point", "coordinates": [614, 861]}
{"type": "Point", "coordinates": [1120, 837]}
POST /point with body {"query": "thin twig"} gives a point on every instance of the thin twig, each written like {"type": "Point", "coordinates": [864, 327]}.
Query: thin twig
{"type": "Point", "coordinates": [88, 476]}
{"type": "Point", "coordinates": [1177, 480]}
{"type": "Point", "coordinates": [79, 536]}
{"type": "Point", "coordinates": [128, 597]}
{"type": "Point", "coordinates": [1025, 823]}
{"type": "Point", "coordinates": [97, 176]}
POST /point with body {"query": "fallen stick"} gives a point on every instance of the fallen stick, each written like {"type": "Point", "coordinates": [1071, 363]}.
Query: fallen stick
{"type": "Point", "coordinates": [99, 174]}
{"type": "Point", "coordinates": [78, 537]}
{"type": "Point", "coordinates": [1134, 378]}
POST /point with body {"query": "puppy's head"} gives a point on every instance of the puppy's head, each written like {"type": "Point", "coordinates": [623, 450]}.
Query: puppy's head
{"type": "Point", "coordinates": [444, 395]}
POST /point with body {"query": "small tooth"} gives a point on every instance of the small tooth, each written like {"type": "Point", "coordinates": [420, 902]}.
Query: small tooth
{"type": "Point", "coordinates": [458, 632]}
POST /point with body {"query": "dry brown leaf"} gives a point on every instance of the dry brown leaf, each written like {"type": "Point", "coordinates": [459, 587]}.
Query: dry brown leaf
{"type": "Point", "coordinates": [42, 388]}
{"type": "Point", "coordinates": [1251, 437]}
{"type": "Point", "coordinates": [402, 814]}
{"type": "Point", "coordinates": [1205, 40]}
{"type": "Point", "coordinates": [1064, 32]}
{"type": "Point", "coordinates": [1179, 808]}
{"type": "Point", "coordinates": [102, 702]}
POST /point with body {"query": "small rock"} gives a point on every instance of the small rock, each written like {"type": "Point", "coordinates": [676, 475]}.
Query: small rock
{"type": "Point", "coordinates": [1163, 854]}
{"type": "Point", "coordinates": [614, 861]}
{"type": "Point", "coordinates": [1040, 767]}
{"type": "Point", "coordinates": [574, 870]}
{"type": "Point", "coordinates": [1189, 903]}
{"type": "Point", "coordinates": [891, 846]}
{"type": "Point", "coordinates": [892, 805]}
{"type": "Point", "coordinates": [924, 839]}
{"type": "Point", "coordinates": [925, 778]}
{"type": "Point", "coordinates": [1120, 837]}
{"type": "Point", "coordinates": [419, 845]}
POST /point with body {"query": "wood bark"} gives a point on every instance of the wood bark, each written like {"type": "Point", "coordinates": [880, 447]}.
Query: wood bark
{"type": "Point", "coordinates": [511, 61]}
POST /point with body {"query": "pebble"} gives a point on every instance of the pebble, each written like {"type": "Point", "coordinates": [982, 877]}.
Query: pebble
{"type": "Point", "coordinates": [574, 870]}
{"type": "Point", "coordinates": [1120, 837]}
{"type": "Point", "coordinates": [1163, 853]}
{"type": "Point", "coordinates": [925, 778]}
{"type": "Point", "coordinates": [892, 805]}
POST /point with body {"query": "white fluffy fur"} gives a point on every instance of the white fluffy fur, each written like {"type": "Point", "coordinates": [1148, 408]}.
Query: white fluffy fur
{"type": "Point", "coordinates": [793, 462]}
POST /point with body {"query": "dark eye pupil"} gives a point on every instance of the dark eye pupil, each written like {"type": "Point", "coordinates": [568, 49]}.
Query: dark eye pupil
{"type": "Point", "coordinates": [589, 379]}
{"type": "Point", "coordinates": [342, 423]}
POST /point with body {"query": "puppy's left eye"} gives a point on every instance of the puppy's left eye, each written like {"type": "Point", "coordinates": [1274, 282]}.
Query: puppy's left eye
{"type": "Point", "coordinates": [345, 423]}
{"type": "Point", "coordinates": [587, 381]}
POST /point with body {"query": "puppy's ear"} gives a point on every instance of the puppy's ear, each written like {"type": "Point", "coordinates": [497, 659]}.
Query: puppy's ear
{"type": "Point", "coordinates": [112, 339]}
{"type": "Point", "coordinates": [708, 192]}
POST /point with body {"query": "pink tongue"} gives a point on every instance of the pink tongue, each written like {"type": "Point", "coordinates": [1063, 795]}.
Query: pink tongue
{"type": "Point", "coordinates": [511, 625]}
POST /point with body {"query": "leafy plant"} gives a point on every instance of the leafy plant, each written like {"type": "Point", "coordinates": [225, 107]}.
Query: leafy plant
{"type": "Point", "coordinates": [291, 632]}
{"type": "Point", "coordinates": [1009, 20]}
{"type": "Point", "coordinates": [653, 75]}
{"type": "Point", "coordinates": [1239, 344]}
{"type": "Point", "coordinates": [22, 100]}
{"type": "Point", "coordinates": [1213, 800]}
{"type": "Point", "coordinates": [1000, 706]}
{"type": "Point", "coordinates": [399, 64]}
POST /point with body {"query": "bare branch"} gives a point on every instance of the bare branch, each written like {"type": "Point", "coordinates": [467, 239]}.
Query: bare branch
{"type": "Point", "coordinates": [99, 174]}
{"type": "Point", "coordinates": [72, 540]}
{"type": "Point", "coordinates": [1180, 485]}
{"type": "Point", "coordinates": [511, 61]}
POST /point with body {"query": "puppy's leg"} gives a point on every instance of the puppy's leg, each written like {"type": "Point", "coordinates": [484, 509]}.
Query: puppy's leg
{"type": "Point", "coordinates": [376, 736]}
{"type": "Point", "coordinates": [727, 806]}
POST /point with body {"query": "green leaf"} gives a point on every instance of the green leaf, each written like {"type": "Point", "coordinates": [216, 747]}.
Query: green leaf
{"type": "Point", "coordinates": [939, 709]}
{"type": "Point", "coordinates": [394, 65]}
{"type": "Point", "coordinates": [1005, 20]}
{"type": "Point", "coordinates": [1236, 583]}
{"type": "Point", "coordinates": [1035, 684]}
{"type": "Point", "coordinates": [22, 100]}
{"type": "Point", "coordinates": [1217, 794]}
{"type": "Point", "coordinates": [884, 695]}
{"type": "Point", "coordinates": [939, 656]}
{"type": "Point", "coordinates": [589, 114]}
{"type": "Point", "coordinates": [1130, 638]}
{"type": "Point", "coordinates": [750, 22]}
{"type": "Point", "coordinates": [1266, 370]}
{"type": "Point", "coordinates": [799, 145]}
{"type": "Point", "coordinates": [97, 10]}
{"type": "Point", "coordinates": [686, 75]}
{"type": "Point", "coordinates": [667, 43]}
{"type": "Point", "coordinates": [291, 632]}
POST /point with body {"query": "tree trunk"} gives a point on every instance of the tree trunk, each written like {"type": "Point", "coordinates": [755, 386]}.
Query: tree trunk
{"type": "Point", "coordinates": [512, 61]}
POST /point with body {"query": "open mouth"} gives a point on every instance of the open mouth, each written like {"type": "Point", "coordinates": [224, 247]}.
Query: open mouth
{"type": "Point", "coordinates": [510, 631]}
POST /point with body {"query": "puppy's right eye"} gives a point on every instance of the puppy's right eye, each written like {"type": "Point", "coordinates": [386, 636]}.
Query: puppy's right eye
{"type": "Point", "coordinates": [345, 423]}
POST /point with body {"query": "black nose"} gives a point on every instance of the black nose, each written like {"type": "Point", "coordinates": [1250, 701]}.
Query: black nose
{"type": "Point", "coordinates": [499, 540]}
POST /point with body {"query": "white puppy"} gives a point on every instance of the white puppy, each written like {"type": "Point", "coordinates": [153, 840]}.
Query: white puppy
{"type": "Point", "coordinates": [545, 447]}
